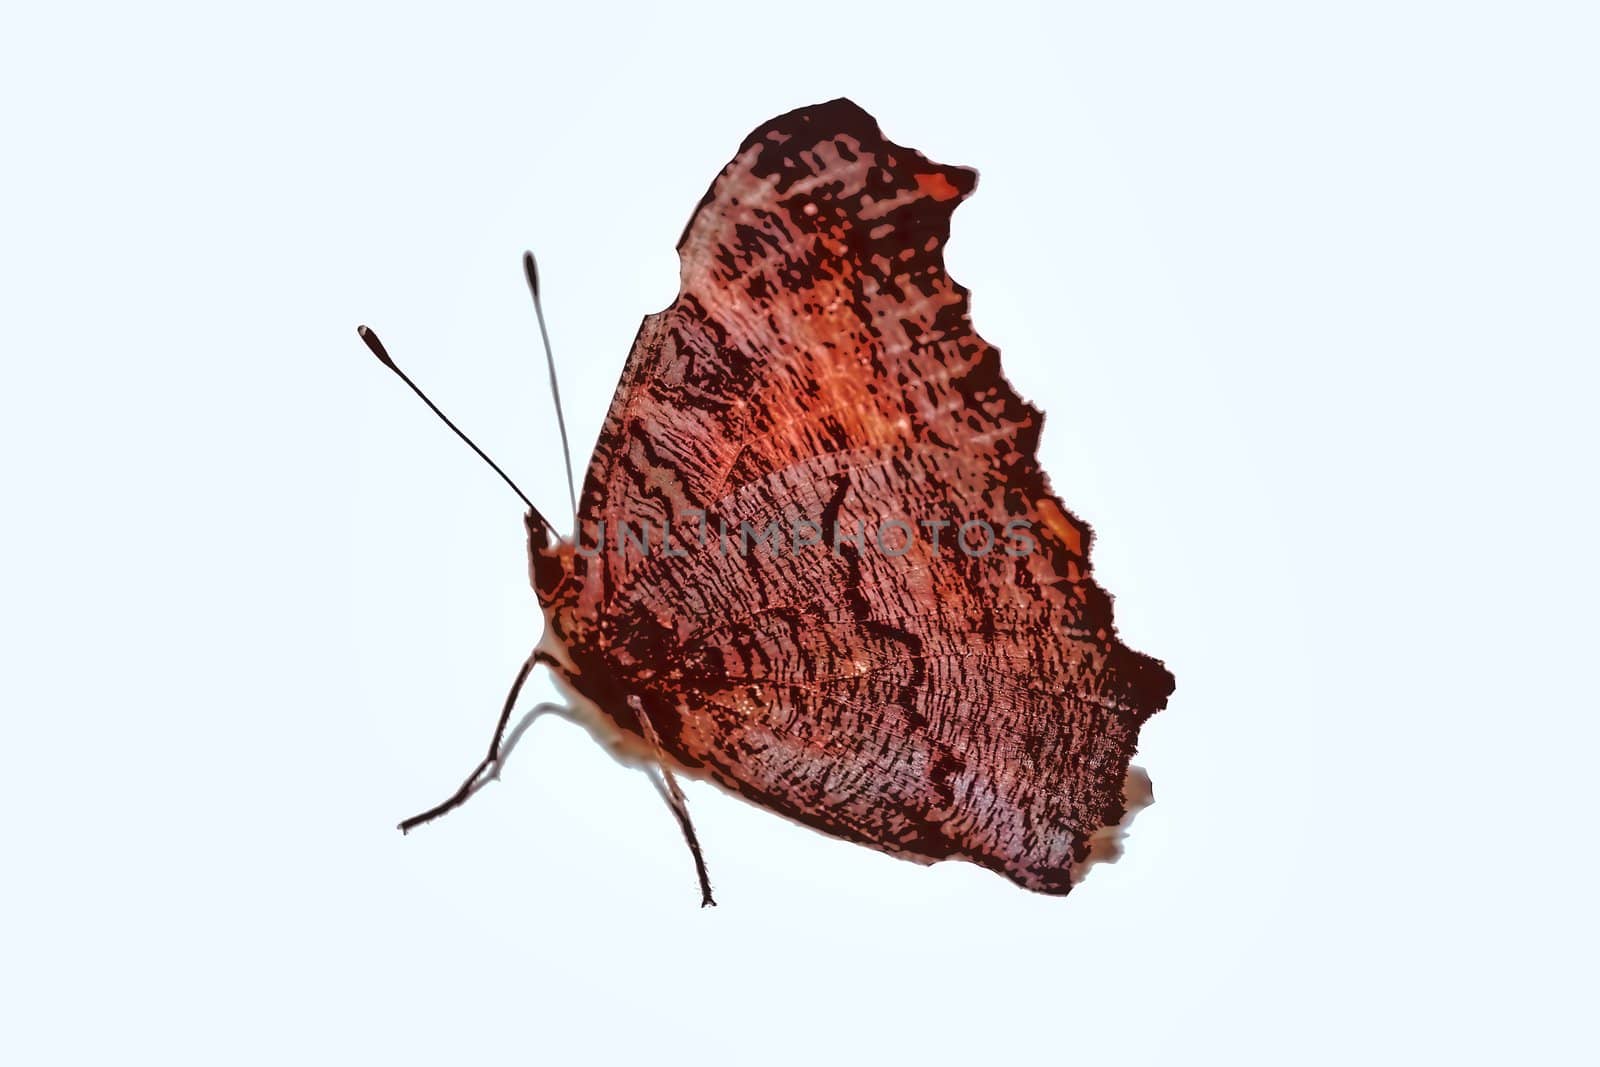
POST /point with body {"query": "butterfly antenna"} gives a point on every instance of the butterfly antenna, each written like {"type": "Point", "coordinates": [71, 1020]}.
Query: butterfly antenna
{"type": "Point", "coordinates": [530, 267]}
{"type": "Point", "coordinates": [382, 353]}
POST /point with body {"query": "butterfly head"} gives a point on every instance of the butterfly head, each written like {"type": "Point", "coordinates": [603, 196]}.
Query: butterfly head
{"type": "Point", "coordinates": [549, 561]}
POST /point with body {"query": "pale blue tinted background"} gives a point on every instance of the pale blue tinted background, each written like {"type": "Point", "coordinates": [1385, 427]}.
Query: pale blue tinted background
{"type": "Point", "coordinates": [1308, 292]}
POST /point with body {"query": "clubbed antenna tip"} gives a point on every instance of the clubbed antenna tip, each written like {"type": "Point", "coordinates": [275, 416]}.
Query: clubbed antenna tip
{"type": "Point", "coordinates": [530, 267]}
{"type": "Point", "coordinates": [376, 345]}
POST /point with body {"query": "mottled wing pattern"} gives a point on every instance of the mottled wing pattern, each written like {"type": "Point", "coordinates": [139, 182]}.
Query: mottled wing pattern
{"type": "Point", "coordinates": [820, 364]}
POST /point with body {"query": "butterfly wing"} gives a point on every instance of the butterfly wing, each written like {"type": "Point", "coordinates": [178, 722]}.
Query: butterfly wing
{"type": "Point", "coordinates": [908, 682]}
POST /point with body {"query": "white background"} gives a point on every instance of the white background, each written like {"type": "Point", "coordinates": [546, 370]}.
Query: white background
{"type": "Point", "coordinates": [1307, 292]}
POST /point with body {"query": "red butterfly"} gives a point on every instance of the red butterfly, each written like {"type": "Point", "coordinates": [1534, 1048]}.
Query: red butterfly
{"type": "Point", "coordinates": [955, 690]}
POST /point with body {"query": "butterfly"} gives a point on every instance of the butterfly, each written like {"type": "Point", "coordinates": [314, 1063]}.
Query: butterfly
{"type": "Point", "coordinates": [952, 690]}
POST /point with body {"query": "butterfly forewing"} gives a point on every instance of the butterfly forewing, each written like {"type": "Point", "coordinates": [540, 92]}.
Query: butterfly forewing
{"type": "Point", "coordinates": [818, 378]}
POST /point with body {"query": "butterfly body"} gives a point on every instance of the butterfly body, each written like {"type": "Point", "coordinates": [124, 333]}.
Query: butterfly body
{"type": "Point", "coordinates": [819, 376]}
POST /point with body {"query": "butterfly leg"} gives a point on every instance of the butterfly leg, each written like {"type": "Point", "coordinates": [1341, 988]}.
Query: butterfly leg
{"type": "Point", "coordinates": [676, 801]}
{"type": "Point", "coordinates": [489, 767]}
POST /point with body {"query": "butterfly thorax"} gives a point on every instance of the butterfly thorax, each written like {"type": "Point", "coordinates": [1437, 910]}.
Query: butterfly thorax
{"type": "Point", "coordinates": [574, 646]}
